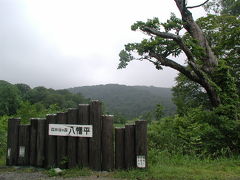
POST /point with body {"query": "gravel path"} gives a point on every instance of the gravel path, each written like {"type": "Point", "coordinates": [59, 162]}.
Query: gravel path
{"type": "Point", "coordinates": [21, 174]}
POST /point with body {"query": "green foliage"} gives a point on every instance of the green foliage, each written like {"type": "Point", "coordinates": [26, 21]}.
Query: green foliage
{"type": "Point", "coordinates": [119, 119]}
{"type": "Point", "coordinates": [154, 44]}
{"type": "Point", "coordinates": [52, 173]}
{"type": "Point", "coordinates": [153, 23]}
{"type": "Point", "coordinates": [14, 96]}
{"type": "Point", "coordinates": [47, 97]}
{"type": "Point", "coordinates": [231, 7]}
{"type": "Point", "coordinates": [28, 111]}
{"type": "Point", "coordinates": [129, 101]}
{"type": "Point", "coordinates": [228, 90]}
{"type": "Point", "coordinates": [188, 94]}
{"type": "Point", "coordinates": [70, 173]}
{"type": "Point", "coordinates": [222, 33]}
{"type": "Point", "coordinates": [159, 111]}
{"type": "Point", "coordinates": [199, 132]}
{"type": "Point", "coordinates": [9, 98]}
{"type": "Point", "coordinates": [3, 134]}
{"type": "Point", "coordinates": [21, 101]}
{"type": "Point", "coordinates": [24, 89]}
{"type": "Point", "coordinates": [163, 165]}
{"type": "Point", "coordinates": [173, 24]}
{"type": "Point", "coordinates": [155, 115]}
{"type": "Point", "coordinates": [148, 116]}
{"type": "Point", "coordinates": [124, 59]}
{"type": "Point", "coordinates": [157, 45]}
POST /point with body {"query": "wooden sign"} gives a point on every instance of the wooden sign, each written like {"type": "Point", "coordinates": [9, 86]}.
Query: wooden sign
{"type": "Point", "coordinates": [70, 130]}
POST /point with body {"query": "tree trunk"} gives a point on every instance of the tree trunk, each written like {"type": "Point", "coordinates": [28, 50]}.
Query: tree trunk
{"type": "Point", "coordinates": [212, 95]}
{"type": "Point", "coordinates": [209, 59]}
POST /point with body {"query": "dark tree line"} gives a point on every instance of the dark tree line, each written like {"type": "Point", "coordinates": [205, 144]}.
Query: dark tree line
{"type": "Point", "coordinates": [13, 96]}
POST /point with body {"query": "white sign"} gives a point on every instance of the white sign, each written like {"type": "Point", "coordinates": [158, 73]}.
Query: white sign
{"type": "Point", "coordinates": [9, 152]}
{"type": "Point", "coordinates": [21, 151]}
{"type": "Point", "coordinates": [70, 130]}
{"type": "Point", "coordinates": [141, 162]}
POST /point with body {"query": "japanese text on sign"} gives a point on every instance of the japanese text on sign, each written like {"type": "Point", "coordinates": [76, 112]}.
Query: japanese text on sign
{"type": "Point", "coordinates": [70, 130]}
{"type": "Point", "coordinates": [141, 162]}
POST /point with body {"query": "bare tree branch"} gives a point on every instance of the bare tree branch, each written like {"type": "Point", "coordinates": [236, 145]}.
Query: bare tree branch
{"type": "Point", "coordinates": [190, 7]}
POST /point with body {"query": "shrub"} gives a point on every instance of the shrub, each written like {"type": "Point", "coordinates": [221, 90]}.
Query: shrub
{"type": "Point", "coordinates": [198, 132]}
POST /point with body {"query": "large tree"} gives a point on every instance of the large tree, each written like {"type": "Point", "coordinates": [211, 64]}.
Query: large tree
{"type": "Point", "coordinates": [222, 30]}
{"type": "Point", "coordinates": [166, 41]}
{"type": "Point", "coordinates": [225, 44]}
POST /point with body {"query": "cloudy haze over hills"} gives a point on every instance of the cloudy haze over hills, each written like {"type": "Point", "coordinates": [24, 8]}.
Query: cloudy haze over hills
{"type": "Point", "coordinates": [68, 43]}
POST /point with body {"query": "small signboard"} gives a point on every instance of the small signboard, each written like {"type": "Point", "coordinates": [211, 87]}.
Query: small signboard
{"type": "Point", "coordinates": [141, 162]}
{"type": "Point", "coordinates": [9, 152]}
{"type": "Point", "coordinates": [21, 151]}
{"type": "Point", "coordinates": [70, 130]}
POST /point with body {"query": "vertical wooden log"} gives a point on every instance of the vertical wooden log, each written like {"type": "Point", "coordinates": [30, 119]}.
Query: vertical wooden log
{"type": "Point", "coordinates": [51, 143]}
{"type": "Point", "coordinates": [24, 144]}
{"type": "Point", "coordinates": [62, 143]}
{"type": "Point", "coordinates": [12, 142]}
{"type": "Point", "coordinates": [33, 142]}
{"type": "Point", "coordinates": [72, 141]}
{"type": "Point", "coordinates": [130, 156]}
{"type": "Point", "coordinates": [40, 142]}
{"type": "Point", "coordinates": [95, 141]}
{"type": "Point", "coordinates": [107, 143]}
{"type": "Point", "coordinates": [141, 144]}
{"type": "Point", "coordinates": [82, 142]}
{"type": "Point", "coordinates": [119, 148]}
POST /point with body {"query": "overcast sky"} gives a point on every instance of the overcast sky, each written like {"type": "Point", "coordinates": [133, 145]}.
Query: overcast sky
{"type": "Point", "coordinates": [68, 43]}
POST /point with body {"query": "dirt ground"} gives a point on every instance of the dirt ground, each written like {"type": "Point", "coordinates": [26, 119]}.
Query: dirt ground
{"type": "Point", "coordinates": [21, 174]}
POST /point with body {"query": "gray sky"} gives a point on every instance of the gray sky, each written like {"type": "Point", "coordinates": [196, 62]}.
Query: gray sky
{"type": "Point", "coordinates": [69, 43]}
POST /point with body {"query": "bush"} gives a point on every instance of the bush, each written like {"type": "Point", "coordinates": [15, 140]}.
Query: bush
{"type": "Point", "coordinates": [26, 111]}
{"type": "Point", "coordinates": [3, 134]}
{"type": "Point", "coordinates": [198, 132]}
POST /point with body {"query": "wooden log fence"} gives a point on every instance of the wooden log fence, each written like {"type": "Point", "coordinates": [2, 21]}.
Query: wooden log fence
{"type": "Point", "coordinates": [74, 145]}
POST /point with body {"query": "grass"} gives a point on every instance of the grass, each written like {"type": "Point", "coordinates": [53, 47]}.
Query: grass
{"type": "Point", "coordinates": [161, 166]}
{"type": "Point", "coordinates": [75, 172]}
{"type": "Point", "coordinates": [164, 166]}
{"type": "Point", "coordinates": [2, 160]}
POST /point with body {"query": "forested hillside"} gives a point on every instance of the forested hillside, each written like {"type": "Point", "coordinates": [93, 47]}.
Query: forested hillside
{"type": "Point", "coordinates": [130, 101]}
{"type": "Point", "coordinates": [15, 96]}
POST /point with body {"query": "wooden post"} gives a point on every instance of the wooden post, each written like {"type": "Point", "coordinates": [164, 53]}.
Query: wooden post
{"type": "Point", "coordinates": [51, 143]}
{"type": "Point", "coordinates": [24, 144]}
{"type": "Point", "coordinates": [107, 143]}
{"type": "Point", "coordinates": [40, 142]}
{"type": "Point", "coordinates": [130, 156]}
{"type": "Point", "coordinates": [33, 141]}
{"type": "Point", "coordinates": [141, 144]}
{"type": "Point", "coordinates": [62, 143]}
{"type": "Point", "coordinates": [119, 148]}
{"type": "Point", "coordinates": [72, 141]}
{"type": "Point", "coordinates": [82, 142]}
{"type": "Point", "coordinates": [95, 141]}
{"type": "Point", "coordinates": [12, 142]}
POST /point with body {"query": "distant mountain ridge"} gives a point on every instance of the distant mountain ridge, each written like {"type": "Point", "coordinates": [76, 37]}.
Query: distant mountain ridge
{"type": "Point", "coordinates": [130, 101]}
